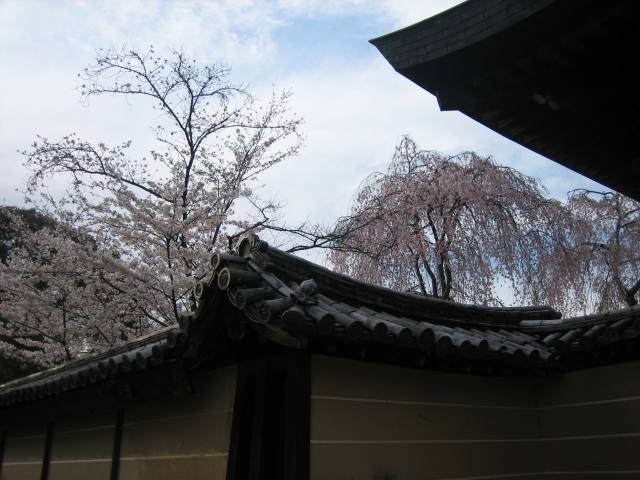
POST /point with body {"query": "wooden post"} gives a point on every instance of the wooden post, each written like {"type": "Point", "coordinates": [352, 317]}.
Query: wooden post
{"type": "Point", "coordinates": [3, 442]}
{"type": "Point", "coordinates": [271, 418]}
{"type": "Point", "coordinates": [46, 457]}
{"type": "Point", "coordinates": [117, 445]}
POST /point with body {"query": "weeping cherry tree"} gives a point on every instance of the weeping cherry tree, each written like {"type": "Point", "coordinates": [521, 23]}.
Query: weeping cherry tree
{"type": "Point", "coordinates": [456, 228]}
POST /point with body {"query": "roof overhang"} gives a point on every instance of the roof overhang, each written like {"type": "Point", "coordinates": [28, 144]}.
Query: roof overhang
{"type": "Point", "coordinates": [556, 76]}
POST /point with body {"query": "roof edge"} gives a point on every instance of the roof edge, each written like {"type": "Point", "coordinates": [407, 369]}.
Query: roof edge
{"type": "Point", "coordinates": [377, 40]}
{"type": "Point", "coordinates": [92, 368]}
{"type": "Point", "coordinates": [348, 288]}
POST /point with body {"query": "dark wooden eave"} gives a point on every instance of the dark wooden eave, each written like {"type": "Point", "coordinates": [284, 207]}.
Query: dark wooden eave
{"type": "Point", "coordinates": [556, 76]}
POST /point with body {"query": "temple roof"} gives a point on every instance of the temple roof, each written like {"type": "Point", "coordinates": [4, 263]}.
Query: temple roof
{"type": "Point", "coordinates": [556, 76]}
{"type": "Point", "coordinates": [259, 297]}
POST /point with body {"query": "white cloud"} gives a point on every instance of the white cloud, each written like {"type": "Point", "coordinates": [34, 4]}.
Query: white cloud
{"type": "Point", "coordinates": [355, 108]}
{"type": "Point", "coordinates": [401, 12]}
{"type": "Point", "coordinates": [407, 12]}
{"type": "Point", "coordinates": [354, 119]}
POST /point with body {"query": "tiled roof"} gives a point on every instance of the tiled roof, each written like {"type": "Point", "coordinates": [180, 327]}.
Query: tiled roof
{"type": "Point", "coordinates": [580, 334]}
{"type": "Point", "coordinates": [259, 291]}
{"type": "Point", "coordinates": [298, 303]}
{"type": "Point", "coordinates": [141, 354]}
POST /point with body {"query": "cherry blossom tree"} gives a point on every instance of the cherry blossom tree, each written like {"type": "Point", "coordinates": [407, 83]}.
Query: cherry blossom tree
{"type": "Point", "coordinates": [455, 228]}
{"type": "Point", "coordinates": [609, 249]}
{"type": "Point", "coordinates": [152, 222]}
{"type": "Point", "coordinates": [60, 298]}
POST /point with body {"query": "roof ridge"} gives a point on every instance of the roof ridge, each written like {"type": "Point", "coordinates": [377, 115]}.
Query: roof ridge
{"type": "Point", "coordinates": [344, 287]}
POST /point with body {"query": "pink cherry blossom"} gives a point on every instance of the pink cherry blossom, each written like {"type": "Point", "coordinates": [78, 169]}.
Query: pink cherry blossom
{"type": "Point", "coordinates": [134, 235]}
{"type": "Point", "coordinates": [455, 228]}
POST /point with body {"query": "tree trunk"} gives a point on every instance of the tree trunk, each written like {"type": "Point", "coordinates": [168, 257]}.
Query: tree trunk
{"type": "Point", "coordinates": [630, 296]}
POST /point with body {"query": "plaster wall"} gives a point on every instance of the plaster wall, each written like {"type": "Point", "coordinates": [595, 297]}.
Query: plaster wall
{"type": "Point", "coordinates": [590, 423]}
{"type": "Point", "coordinates": [186, 437]}
{"type": "Point", "coordinates": [174, 437]}
{"type": "Point", "coordinates": [23, 453]}
{"type": "Point", "coordinates": [372, 421]}
{"type": "Point", "coordinates": [82, 432]}
{"type": "Point", "coordinates": [82, 440]}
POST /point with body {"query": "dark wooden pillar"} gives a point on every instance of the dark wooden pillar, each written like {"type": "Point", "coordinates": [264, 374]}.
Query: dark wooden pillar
{"type": "Point", "coordinates": [117, 445]}
{"type": "Point", "coordinates": [3, 440]}
{"type": "Point", "coordinates": [46, 457]}
{"type": "Point", "coordinates": [270, 431]}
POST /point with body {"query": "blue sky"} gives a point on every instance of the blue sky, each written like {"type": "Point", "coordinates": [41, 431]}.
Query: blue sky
{"type": "Point", "coordinates": [355, 106]}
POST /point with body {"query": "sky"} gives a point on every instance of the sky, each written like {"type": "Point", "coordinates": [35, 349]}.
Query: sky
{"type": "Point", "coordinates": [355, 106]}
